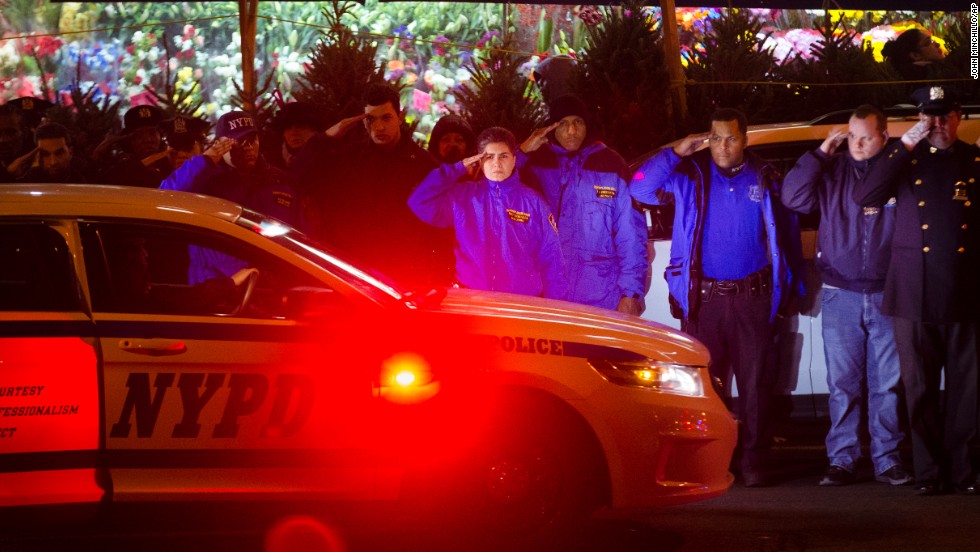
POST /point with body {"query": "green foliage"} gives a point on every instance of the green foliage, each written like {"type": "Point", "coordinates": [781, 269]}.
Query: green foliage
{"type": "Point", "coordinates": [259, 104]}
{"type": "Point", "coordinates": [623, 77]}
{"type": "Point", "coordinates": [732, 53]}
{"type": "Point", "coordinates": [498, 94]}
{"type": "Point", "coordinates": [545, 30]}
{"type": "Point", "coordinates": [838, 58]}
{"type": "Point", "coordinates": [29, 16]}
{"type": "Point", "coordinates": [342, 65]}
{"type": "Point", "coordinates": [460, 22]}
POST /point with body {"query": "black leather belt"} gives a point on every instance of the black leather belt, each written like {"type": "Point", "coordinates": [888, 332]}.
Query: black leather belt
{"type": "Point", "coordinates": [755, 284]}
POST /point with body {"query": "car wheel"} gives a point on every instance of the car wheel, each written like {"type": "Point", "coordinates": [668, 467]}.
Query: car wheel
{"type": "Point", "coordinates": [534, 481]}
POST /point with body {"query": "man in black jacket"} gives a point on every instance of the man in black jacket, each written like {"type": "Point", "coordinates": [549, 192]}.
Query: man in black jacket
{"type": "Point", "coordinates": [859, 341]}
{"type": "Point", "coordinates": [360, 198]}
{"type": "Point", "coordinates": [931, 288]}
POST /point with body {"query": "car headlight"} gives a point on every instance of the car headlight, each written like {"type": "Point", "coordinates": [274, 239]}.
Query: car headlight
{"type": "Point", "coordinates": [666, 377]}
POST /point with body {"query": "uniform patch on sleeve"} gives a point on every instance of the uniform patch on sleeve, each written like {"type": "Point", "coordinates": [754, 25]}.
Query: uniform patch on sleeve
{"type": "Point", "coordinates": [605, 192]}
{"type": "Point", "coordinates": [518, 216]}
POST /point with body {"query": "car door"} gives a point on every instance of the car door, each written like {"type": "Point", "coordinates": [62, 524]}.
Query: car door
{"type": "Point", "coordinates": [49, 386]}
{"type": "Point", "coordinates": [206, 397]}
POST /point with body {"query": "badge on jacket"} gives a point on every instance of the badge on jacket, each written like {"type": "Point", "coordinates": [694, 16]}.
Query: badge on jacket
{"type": "Point", "coordinates": [518, 216]}
{"type": "Point", "coordinates": [755, 193]}
{"type": "Point", "coordinates": [959, 191]}
{"type": "Point", "coordinates": [284, 199]}
{"type": "Point", "coordinates": [605, 192]}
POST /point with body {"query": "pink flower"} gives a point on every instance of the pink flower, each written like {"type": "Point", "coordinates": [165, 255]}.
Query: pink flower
{"type": "Point", "coordinates": [421, 101]}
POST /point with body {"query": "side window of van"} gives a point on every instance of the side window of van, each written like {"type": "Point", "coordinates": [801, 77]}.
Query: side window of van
{"type": "Point", "coordinates": [36, 272]}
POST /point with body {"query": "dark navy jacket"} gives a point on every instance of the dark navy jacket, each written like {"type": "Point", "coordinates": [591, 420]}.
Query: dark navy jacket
{"type": "Point", "coordinates": [854, 242]}
{"type": "Point", "coordinates": [935, 262]}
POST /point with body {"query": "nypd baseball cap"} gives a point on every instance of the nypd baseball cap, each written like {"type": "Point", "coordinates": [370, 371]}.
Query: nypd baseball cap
{"type": "Point", "coordinates": [235, 125]}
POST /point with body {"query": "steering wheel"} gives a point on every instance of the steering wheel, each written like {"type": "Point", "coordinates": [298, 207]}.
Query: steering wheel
{"type": "Point", "coordinates": [250, 284]}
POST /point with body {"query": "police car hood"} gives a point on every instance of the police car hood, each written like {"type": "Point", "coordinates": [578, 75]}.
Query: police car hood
{"type": "Point", "coordinates": [579, 322]}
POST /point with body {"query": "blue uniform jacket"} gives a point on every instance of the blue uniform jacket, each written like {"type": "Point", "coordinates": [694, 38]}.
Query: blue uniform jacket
{"type": "Point", "coordinates": [854, 242]}
{"type": "Point", "coordinates": [264, 190]}
{"type": "Point", "coordinates": [603, 238]}
{"type": "Point", "coordinates": [505, 235]}
{"type": "Point", "coordinates": [686, 180]}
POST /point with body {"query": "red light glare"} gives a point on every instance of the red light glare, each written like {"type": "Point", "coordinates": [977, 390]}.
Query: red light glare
{"type": "Point", "coordinates": [405, 378]}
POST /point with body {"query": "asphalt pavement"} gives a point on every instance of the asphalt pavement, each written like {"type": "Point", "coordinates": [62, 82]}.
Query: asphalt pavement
{"type": "Point", "coordinates": [793, 516]}
{"type": "Point", "coordinates": [798, 515]}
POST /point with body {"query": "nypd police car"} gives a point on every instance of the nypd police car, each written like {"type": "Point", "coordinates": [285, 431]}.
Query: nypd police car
{"type": "Point", "coordinates": [308, 377]}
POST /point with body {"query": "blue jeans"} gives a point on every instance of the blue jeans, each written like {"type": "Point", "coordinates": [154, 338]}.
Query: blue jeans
{"type": "Point", "coordinates": [859, 345]}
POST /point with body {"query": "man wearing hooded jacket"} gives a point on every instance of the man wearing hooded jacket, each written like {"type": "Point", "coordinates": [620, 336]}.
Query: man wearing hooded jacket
{"type": "Point", "coordinates": [735, 262]}
{"type": "Point", "coordinates": [586, 184]}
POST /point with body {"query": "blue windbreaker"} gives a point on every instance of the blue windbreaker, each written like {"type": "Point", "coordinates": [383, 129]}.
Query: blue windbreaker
{"type": "Point", "coordinates": [505, 235]}
{"type": "Point", "coordinates": [603, 238]}
{"type": "Point", "coordinates": [685, 179]}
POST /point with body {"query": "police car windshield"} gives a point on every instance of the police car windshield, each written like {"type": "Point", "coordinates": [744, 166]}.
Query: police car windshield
{"type": "Point", "coordinates": [333, 261]}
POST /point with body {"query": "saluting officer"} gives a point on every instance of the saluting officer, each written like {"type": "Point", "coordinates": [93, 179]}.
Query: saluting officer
{"type": "Point", "coordinates": [931, 285]}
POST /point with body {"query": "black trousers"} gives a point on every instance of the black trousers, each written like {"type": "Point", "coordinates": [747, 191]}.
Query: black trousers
{"type": "Point", "coordinates": [737, 332]}
{"type": "Point", "coordinates": [941, 431]}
